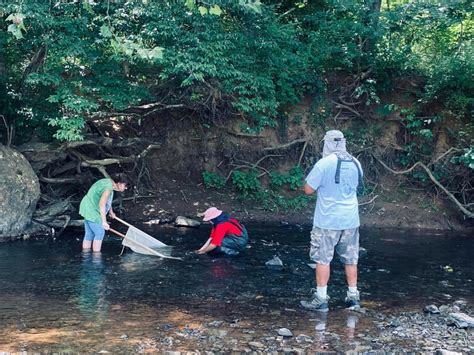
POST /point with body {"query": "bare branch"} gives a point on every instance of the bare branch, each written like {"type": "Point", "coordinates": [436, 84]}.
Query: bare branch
{"type": "Point", "coordinates": [462, 207]}
{"type": "Point", "coordinates": [107, 142]}
{"type": "Point", "coordinates": [240, 134]}
{"type": "Point", "coordinates": [286, 145]}
{"type": "Point", "coordinates": [70, 180]}
{"type": "Point", "coordinates": [101, 163]}
{"type": "Point", "coordinates": [9, 131]}
{"type": "Point", "coordinates": [252, 166]}
{"type": "Point", "coordinates": [368, 202]}
{"type": "Point", "coordinates": [302, 152]}
{"type": "Point", "coordinates": [339, 105]}
{"type": "Point", "coordinates": [449, 151]}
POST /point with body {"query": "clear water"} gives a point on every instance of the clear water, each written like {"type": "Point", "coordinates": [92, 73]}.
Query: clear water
{"type": "Point", "coordinates": [53, 297]}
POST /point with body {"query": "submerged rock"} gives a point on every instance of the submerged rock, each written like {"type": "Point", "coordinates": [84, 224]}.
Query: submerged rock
{"type": "Point", "coordinates": [152, 221]}
{"type": "Point", "coordinates": [303, 338]}
{"type": "Point", "coordinates": [275, 263]}
{"type": "Point", "coordinates": [285, 332]}
{"type": "Point", "coordinates": [216, 323]}
{"type": "Point", "coordinates": [219, 333]}
{"type": "Point", "coordinates": [256, 345]}
{"type": "Point", "coordinates": [461, 320]}
{"type": "Point", "coordinates": [186, 222]}
{"type": "Point", "coordinates": [431, 309]}
{"type": "Point", "coordinates": [447, 352]}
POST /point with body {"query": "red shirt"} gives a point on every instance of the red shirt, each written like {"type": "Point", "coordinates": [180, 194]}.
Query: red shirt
{"type": "Point", "coordinates": [219, 232]}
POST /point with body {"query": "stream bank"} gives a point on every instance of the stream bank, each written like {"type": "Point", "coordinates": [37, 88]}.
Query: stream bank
{"type": "Point", "coordinates": [392, 208]}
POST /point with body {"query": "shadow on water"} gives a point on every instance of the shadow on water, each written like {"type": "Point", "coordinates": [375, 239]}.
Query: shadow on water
{"type": "Point", "coordinates": [55, 297]}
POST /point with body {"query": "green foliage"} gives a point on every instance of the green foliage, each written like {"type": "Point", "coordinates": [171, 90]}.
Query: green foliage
{"type": "Point", "coordinates": [431, 40]}
{"type": "Point", "coordinates": [283, 193]}
{"type": "Point", "coordinates": [275, 201]}
{"type": "Point", "coordinates": [293, 178]}
{"type": "Point", "coordinates": [466, 159]}
{"type": "Point", "coordinates": [419, 126]}
{"type": "Point", "coordinates": [212, 180]}
{"type": "Point", "coordinates": [247, 183]}
{"type": "Point", "coordinates": [67, 130]}
{"type": "Point", "coordinates": [420, 138]}
{"type": "Point", "coordinates": [106, 56]}
{"type": "Point", "coordinates": [71, 61]}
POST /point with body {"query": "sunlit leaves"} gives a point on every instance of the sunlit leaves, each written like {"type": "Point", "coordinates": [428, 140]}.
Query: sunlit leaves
{"type": "Point", "coordinates": [68, 128]}
{"type": "Point", "coordinates": [252, 5]}
{"type": "Point", "coordinates": [17, 25]}
{"type": "Point", "coordinates": [203, 10]}
{"type": "Point", "coordinates": [467, 158]}
{"type": "Point", "coordinates": [215, 10]}
{"type": "Point", "coordinates": [135, 50]}
{"type": "Point", "coordinates": [105, 31]}
{"type": "Point", "coordinates": [190, 4]}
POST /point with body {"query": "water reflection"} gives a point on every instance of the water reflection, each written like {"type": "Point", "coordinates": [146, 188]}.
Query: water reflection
{"type": "Point", "coordinates": [351, 323]}
{"type": "Point", "coordinates": [135, 293]}
{"type": "Point", "coordinates": [222, 269]}
{"type": "Point", "coordinates": [324, 322]}
{"type": "Point", "coordinates": [92, 298]}
{"type": "Point", "coordinates": [321, 321]}
{"type": "Point", "coordinates": [132, 262]}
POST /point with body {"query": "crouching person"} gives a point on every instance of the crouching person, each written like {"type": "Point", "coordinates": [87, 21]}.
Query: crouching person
{"type": "Point", "coordinates": [228, 236]}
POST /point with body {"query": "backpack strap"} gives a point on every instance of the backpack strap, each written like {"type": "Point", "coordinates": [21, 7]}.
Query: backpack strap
{"type": "Point", "coordinates": [337, 177]}
{"type": "Point", "coordinates": [237, 224]}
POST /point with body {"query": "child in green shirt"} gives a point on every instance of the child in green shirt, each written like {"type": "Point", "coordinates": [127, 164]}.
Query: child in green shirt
{"type": "Point", "coordinates": [94, 207]}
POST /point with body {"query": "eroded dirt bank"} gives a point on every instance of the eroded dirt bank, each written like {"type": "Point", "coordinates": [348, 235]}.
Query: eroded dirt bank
{"type": "Point", "coordinates": [404, 209]}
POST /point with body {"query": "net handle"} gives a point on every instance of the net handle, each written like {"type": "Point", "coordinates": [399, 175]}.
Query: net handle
{"type": "Point", "coordinates": [116, 232]}
{"type": "Point", "coordinates": [126, 223]}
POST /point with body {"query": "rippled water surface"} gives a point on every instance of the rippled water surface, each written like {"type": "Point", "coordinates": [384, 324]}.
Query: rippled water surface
{"type": "Point", "coordinates": [53, 297]}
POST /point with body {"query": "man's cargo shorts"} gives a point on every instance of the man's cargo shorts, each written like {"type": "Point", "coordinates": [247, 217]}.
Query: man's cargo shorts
{"type": "Point", "coordinates": [325, 241]}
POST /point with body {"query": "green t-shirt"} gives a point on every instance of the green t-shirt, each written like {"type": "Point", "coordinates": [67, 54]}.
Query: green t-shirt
{"type": "Point", "coordinates": [89, 208]}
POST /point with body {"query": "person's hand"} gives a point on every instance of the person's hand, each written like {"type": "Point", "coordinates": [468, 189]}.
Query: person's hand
{"type": "Point", "coordinates": [199, 251]}
{"type": "Point", "coordinates": [112, 215]}
{"type": "Point", "coordinates": [105, 225]}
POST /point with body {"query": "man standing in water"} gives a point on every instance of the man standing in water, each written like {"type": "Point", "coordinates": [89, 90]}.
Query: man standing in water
{"type": "Point", "coordinates": [337, 179]}
{"type": "Point", "coordinates": [94, 207]}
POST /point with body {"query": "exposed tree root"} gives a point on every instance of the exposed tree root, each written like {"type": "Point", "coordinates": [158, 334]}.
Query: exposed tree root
{"type": "Point", "coordinates": [461, 206]}
{"type": "Point", "coordinates": [286, 145]}
{"type": "Point", "coordinates": [67, 170]}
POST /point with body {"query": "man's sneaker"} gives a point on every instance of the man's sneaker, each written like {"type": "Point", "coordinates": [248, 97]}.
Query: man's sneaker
{"type": "Point", "coordinates": [316, 303]}
{"type": "Point", "coordinates": [352, 300]}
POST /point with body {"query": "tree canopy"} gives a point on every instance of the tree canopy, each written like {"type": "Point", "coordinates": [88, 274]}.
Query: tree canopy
{"type": "Point", "coordinates": [66, 62]}
{"type": "Point", "coordinates": [68, 65]}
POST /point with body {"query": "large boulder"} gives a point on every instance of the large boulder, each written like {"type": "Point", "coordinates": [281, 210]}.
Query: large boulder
{"type": "Point", "coordinates": [19, 192]}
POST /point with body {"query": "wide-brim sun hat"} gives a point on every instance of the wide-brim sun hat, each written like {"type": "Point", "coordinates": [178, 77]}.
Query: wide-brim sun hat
{"type": "Point", "coordinates": [211, 213]}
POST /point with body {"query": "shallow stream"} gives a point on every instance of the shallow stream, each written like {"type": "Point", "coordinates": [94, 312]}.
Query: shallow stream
{"type": "Point", "coordinates": [54, 298]}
